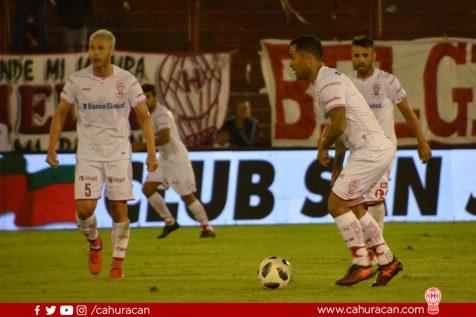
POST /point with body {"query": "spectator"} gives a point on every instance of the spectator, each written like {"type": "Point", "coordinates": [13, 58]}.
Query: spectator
{"type": "Point", "coordinates": [74, 17]}
{"type": "Point", "coordinates": [222, 139]}
{"type": "Point", "coordinates": [22, 19]}
{"type": "Point", "coordinates": [243, 128]}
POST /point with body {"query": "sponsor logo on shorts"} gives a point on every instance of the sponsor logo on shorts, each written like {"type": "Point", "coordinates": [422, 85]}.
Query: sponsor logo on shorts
{"type": "Point", "coordinates": [88, 178]}
{"type": "Point", "coordinates": [111, 179]}
{"type": "Point", "coordinates": [353, 186]}
{"type": "Point", "coordinates": [380, 193]}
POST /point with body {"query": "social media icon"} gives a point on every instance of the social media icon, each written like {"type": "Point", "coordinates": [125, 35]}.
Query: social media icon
{"type": "Point", "coordinates": [37, 310]}
{"type": "Point", "coordinates": [50, 310]}
{"type": "Point", "coordinates": [81, 310]}
{"type": "Point", "coordinates": [66, 310]}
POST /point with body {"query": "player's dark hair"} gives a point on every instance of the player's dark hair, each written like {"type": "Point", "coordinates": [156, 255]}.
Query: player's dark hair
{"type": "Point", "coordinates": [308, 43]}
{"type": "Point", "coordinates": [364, 41]}
{"type": "Point", "coordinates": [149, 88]}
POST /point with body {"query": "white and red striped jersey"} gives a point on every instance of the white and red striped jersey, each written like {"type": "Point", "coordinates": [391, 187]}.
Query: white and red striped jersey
{"type": "Point", "coordinates": [382, 91]}
{"type": "Point", "coordinates": [103, 107]}
{"type": "Point", "coordinates": [333, 89]}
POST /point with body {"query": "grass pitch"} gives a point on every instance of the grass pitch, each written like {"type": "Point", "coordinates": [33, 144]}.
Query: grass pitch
{"type": "Point", "coordinates": [51, 266]}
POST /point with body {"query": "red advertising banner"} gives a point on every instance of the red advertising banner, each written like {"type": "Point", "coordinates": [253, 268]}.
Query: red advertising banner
{"type": "Point", "coordinates": [437, 73]}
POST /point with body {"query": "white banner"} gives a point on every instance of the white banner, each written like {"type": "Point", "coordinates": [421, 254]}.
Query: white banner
{"type": "Point", "coordinates": [195, 87]}
{"type": "Point", "coordinates": [439, 76]}
{"type": "Point", "coordinates": [246, 188]}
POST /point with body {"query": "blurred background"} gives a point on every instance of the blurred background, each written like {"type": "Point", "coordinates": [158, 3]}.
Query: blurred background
{"type": "Point", "coordinates": [228, 26]}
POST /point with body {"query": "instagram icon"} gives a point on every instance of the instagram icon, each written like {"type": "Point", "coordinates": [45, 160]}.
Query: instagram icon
{"type": "Point", "coordinates": [81, 310]}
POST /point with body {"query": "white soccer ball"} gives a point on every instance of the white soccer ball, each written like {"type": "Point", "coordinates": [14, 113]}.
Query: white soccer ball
{"type": "Point", "coordinates": [274, 272]}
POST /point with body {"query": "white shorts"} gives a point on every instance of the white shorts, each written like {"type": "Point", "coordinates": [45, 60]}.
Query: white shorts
{"type": "Point", "coordinates": [90, 176]}
{"type": "Point", "coordinates": [363, 171]}
{"type": "Point", "coordinates": [176, 173]}
{"type": "Point", "coordinates": [379, 192]}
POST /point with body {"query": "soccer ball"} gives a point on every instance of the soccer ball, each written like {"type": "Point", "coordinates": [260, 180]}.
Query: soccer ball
{"type": "Point", "coordinates": [274, 272]}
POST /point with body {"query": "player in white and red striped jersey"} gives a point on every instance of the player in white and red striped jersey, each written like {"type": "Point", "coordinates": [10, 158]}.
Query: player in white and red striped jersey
{"type": "Point", "coordinates": [382, 91]}
{"type": "Point", "coordinates": [371, 153]}
{"type": "Point", "coordinates": [175, 169]}
{"type": "Point", "coordinates": [103, 96]}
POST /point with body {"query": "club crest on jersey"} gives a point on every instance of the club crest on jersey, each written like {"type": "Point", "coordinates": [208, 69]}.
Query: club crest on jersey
{"type": "Point", "coordinates": [352, 186]}
{"type": "Point", "coordinates": [376, 90]}
{"type": "Point", "coordinates": [120, 89]}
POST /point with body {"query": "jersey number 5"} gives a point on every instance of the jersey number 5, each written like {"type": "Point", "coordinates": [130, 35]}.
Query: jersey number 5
{"type": "Point", "coordinates": [87, 189]}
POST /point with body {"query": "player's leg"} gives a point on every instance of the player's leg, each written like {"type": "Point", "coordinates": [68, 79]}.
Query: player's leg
{"type": "Point", "coordinates": [87, 190]}
{"type": "Point", "coordinates": [373, 170]}
{"type": "Point", "coordinates": [378, 211]}
{"type": "Point", "coordinates": [351, 231]}
{"type": "Point", "coordinates": [199, 214]}
{"type": "Point", "coordinates": [154, 183]}
{"type": "Point", "coordinates": [118, 190]}
{"type": "Point", "coordinates": [180, 175]}
{"type": "Point", "coordinates": [119, 236]}
{"type": "Point", "coordinates": [375, 198]}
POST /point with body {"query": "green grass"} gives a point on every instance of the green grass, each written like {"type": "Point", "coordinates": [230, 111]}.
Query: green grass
{"type": "Point", "coordinates": [50, 266]}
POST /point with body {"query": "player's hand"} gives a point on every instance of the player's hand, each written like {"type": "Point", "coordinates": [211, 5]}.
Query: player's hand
{"type": "Point", "coordinates": [52, 159]}
{"type": "Point", "coordinates": [151, 162]}
{"type": "Point", "coordinates": [424, 152]}
{"type": "Point", "coordinates": [335, 174]}
{"type": "Point", "coordinates": [323, 157]}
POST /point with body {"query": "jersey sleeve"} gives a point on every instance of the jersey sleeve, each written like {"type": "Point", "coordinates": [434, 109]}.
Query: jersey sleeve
{"type": "Point", "coordinates": [68, 93]}
{"type": "Point", "coordinates": [395, 90]}
{"type": "Point", "coordinates": [136, 94]}
{"type": "Point", "coordinates": [332, 94]}
{"type": "Point", "coordinates": [163, 121]}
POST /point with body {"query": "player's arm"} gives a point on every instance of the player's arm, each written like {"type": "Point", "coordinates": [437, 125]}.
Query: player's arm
{"type": "Point", "coordinates": [424, 150]}
{"type": "Point", "coordinates": [163, 138]}
{"type": "Point", "coordinates": [145, 123]}
{"type": "Point", "coordinates": [55, 130]}
{"type": "Point", "coordinates": [334, 129]}
{"type": "Point", "coordinates": [339, 157]}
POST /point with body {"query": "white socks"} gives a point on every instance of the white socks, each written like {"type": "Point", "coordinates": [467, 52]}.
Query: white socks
{"type": "Point", "coordinates": [88, 227]}
{"type": "Point", "coordinates": [376, 242]}
{"type": "Point", "coordinates": [158, 203]}
{"type": "Point", "coordinates": [378, 212]}
{"type": "Point", "coordinates": [199, 213]}
{"type": "Point", "coordinates": [119, 239]}
{"type": "Point", "coordinates": [351, 231]}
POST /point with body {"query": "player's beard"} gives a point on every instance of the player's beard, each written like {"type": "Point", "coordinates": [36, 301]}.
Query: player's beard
{"type": "Point", "coordinates": [363, 70]}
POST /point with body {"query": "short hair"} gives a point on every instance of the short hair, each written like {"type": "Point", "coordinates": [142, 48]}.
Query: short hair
{"type": "Point", "coordinates": [106, 34]}
{"type": "Point", "coordinates": [363, 40]}
{"type": "Point", "coordinates": [149, 88]}
{"type": "Point", "coordinates": [308, 43]}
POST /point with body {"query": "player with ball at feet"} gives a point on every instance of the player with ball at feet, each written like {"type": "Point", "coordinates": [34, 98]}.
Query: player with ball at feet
{"type": "Point", "coordinates": [371, 153]}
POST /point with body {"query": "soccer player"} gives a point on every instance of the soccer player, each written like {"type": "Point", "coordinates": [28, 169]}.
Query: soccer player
{"type": "Point", "coordinates": [382, 91]}
{"type": "Point", "coordinates": [175, 169]}
{"type": "Point", "coordinates": [103, 95]}
{"type": "Point", "coordinates": [371, 153]}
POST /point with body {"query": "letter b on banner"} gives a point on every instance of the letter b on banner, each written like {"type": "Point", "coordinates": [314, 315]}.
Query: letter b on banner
{"type": "Point", "coordinates": [248, 188]}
